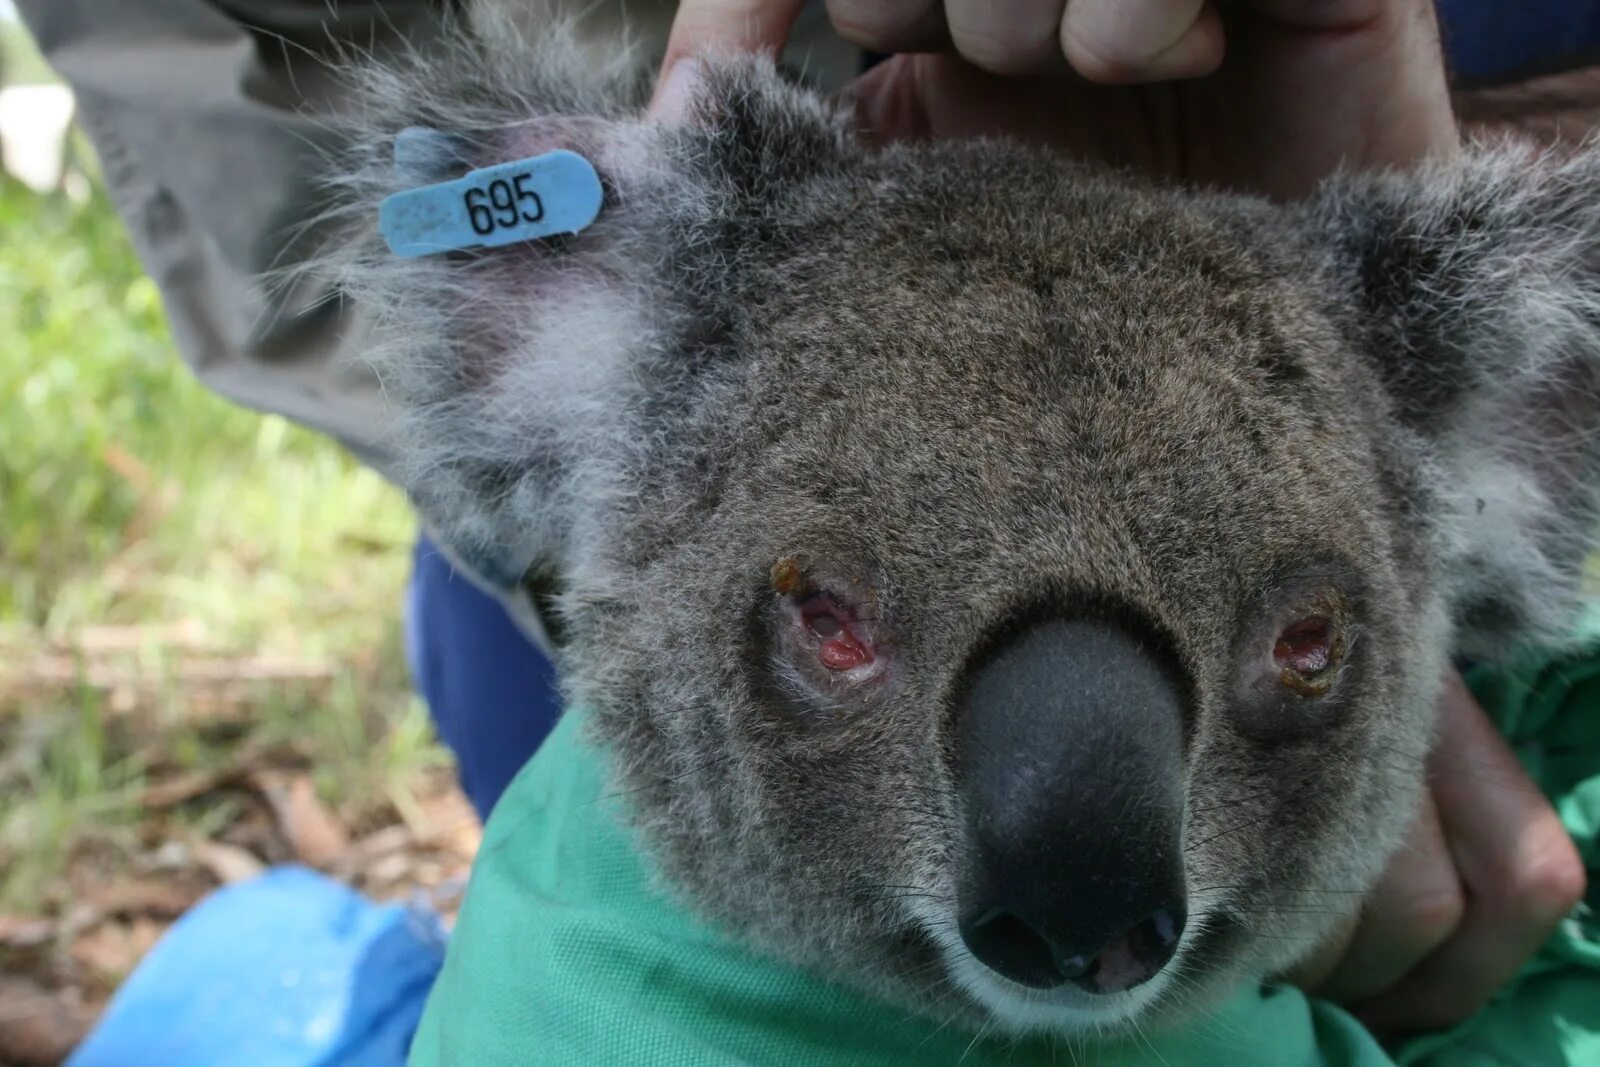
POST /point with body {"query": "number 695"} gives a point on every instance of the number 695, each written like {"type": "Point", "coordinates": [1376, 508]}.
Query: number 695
{"type": "Point", "coordinates": [502, 204]}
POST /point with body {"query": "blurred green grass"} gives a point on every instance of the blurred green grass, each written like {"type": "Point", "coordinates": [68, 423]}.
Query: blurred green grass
{"type": "Point", "coordinates": [129, 492]}
{"type": "Point", "coordinates": [133, 500]}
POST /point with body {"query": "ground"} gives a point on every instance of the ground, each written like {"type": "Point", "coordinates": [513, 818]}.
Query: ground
{"type": "Point", "coordinates": [200, 661]}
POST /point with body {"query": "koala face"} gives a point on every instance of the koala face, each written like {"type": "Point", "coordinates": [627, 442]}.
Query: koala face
{"type": "Point", "coordinates": [1058, 621]}
{"type": "Point", "coordinates": [1007, 587]}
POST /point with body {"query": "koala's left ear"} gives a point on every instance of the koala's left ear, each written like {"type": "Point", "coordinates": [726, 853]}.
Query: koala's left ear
{"type": "Point", "coordinates": [1475, 285]}
{"type": "Point", "coordinates": [518, 374]}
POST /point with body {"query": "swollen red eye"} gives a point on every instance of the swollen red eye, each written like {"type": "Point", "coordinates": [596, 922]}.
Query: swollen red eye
{"type": "Point", "coordinates": [829, 637]}
{"type": "Point", "coordinates": [840, 649]}
{"type": "Point", "coordinates": [1306, 652]}
{"type": "Point", "coordinates": [1295, 673]}
{"type": "Point", "coordinates": [1306, 645]}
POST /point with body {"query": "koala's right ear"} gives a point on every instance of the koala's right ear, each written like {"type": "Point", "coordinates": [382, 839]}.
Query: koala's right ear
{"type": "Point", "coordinates": [1475, 285]}
{"type": "Point", "coordinates": [519, 374]}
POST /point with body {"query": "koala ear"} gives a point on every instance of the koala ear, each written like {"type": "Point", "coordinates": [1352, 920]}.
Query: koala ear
{"type": "Point", "coordinates": [517, 374]}
{"type": "Point", "coordinates": [1475, 285]}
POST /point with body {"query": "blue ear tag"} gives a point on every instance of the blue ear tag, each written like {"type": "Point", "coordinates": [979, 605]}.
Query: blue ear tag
{"type": "Point", "coordinates": [558, 192]}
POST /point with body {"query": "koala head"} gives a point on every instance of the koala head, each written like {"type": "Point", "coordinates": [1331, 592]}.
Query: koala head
{"type": "Point", "coordinates": [1010, 587]}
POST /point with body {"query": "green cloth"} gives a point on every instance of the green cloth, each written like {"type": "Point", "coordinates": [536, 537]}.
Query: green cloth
{"type": "Point", "coordinates": [564, 954]}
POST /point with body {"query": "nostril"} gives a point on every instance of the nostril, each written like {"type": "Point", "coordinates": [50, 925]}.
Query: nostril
{"type": "Point", "coordinates": [1008, 944]}
{"type": "Point", "coordinates": [1136, 956]}
{"type": "Point", "coordinates": [1005, 943]}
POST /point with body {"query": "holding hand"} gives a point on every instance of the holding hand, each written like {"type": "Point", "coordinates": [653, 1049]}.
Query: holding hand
{"type": "Point", "coordinates": [1272, 94]}
{"type": "Point", "coordinates": [1484, 877]}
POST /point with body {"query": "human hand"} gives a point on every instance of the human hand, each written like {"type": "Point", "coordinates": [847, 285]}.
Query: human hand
{"type": "Point", "coordinates": [1273, 94]}
{"type": "Point", "coordinates": [1486, 874]}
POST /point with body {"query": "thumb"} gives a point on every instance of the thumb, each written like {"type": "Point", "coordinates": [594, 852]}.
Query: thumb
{"type": "Point", "coordinates": [703, 26]}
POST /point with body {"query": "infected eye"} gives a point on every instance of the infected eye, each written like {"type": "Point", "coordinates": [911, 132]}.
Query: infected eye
{"type": "Point", "coordinates": [1290, 679]}
{"type": "Point", "coordinates": [1305, 651]}
{"type": "Point", "coordinates": [841, 647]}
{"type": "Point", "coordinates": [1306, 646]}
{"type": "Point", "coordinates": [828, 638]}
{"type": "Point", "coordinates": [825, 625]}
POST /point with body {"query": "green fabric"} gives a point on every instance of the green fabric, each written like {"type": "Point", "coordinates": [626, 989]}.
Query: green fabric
{"type": "Point", "coordinates": [563, 953]}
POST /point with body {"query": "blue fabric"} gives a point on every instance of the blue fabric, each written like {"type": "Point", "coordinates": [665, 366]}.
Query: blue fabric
{"type": "Point", "coordinates": [1489, 41]}
{"type": "Point", "coordinates": [287, 970]}
{"type": "Point", "coordinates": [492, 693]}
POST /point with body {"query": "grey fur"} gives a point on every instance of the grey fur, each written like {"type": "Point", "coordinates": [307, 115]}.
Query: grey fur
{"type": "Point", "coordinates": [957, 381]}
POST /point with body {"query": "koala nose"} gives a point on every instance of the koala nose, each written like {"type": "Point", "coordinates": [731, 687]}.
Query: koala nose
{"type": "Point", "coordinates": [1071, 768]}
{"type": "Point", "coordinates": [1010, 945]}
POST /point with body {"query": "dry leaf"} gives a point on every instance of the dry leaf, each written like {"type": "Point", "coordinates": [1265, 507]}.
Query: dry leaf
{"type": "Point", "coordinates": [19, 932]}
{"type": "Point", "coordinates": [187, 786]}
{"type": "Point", "coordinates": [311, 830]}
{"type": "Point", "coordinates": [381, 843]}
{"type": "Point", "coordinates": [394, 867]}
{"type": "Point", "coordinates": [144, 935]}
{"type": "Point", "coordinates": [38, 1026]}
{"type": "Point", "coordinates": [135, 897]}
{"type": "Point", "coordinates": [168, 856]}
{"type": "Point", "coordinates": [108, 951]}
{"type": "Point", "coordinates": [227, 863]}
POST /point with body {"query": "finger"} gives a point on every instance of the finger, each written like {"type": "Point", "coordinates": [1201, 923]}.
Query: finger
{"type": "Point", "coordinates": [726, 26]}
{"type": "Point", "coordinates": [891, 25]}
{"type": "Point", "coordinates": [1129, 41]}
{"type": "Point", "coordinates": [1415, 907]}
{"type": "Point", "coordinates": [1323, 14]}
{"type": "Point", "coordinates": [1019, 37]}
{"type": "Point", "coordinates": [1521, 870]}
{"type": "Point", "coordinates": [1349, 84]}
{"type": "Point", "coordinates": [1310, 973]}
{"type": "Point", "coordinates": [937, 95]}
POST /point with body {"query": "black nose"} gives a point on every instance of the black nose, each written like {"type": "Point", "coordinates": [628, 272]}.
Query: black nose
{"type": "Point", "coordinates": [1071, 765]}
{"type": "Point", "coordinates": [1008, 944]}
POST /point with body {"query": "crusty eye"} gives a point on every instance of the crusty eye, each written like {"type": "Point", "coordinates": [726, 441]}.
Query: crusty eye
{"type": "Point", "coordinates": [828, 635]}
{"type": "Point", "coordinates": [1290, 662]}
{"type": "Point", "coordinates": [1307, 650]}
{"type": "Point", "coordinates": [1305, 645]}
{"type": "Point", "coordinates": [840, 647]}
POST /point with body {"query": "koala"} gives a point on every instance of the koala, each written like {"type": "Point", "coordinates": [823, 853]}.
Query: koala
{"type": "Point", "coordinates": [1015, 588]}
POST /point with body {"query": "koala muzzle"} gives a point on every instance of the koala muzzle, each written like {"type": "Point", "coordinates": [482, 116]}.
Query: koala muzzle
{"type": "Point", "coordinates": [1071, 768]}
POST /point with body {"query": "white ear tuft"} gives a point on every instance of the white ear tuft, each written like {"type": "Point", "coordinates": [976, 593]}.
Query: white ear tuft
{"type": "Point", "coordinates": [1478, 288]}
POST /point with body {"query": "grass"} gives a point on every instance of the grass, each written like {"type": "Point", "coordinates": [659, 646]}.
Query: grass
{"type": "Point", "coordinates": [147, 526]}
